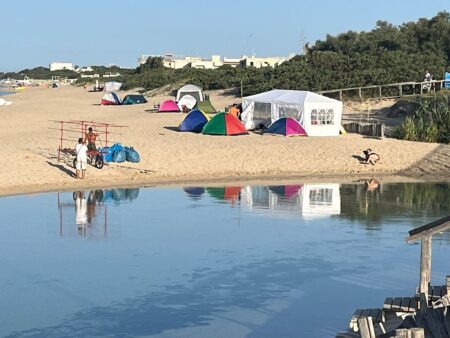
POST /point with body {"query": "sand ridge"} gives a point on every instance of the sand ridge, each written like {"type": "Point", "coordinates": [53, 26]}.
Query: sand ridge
{"type": "Point", "coordinates": [31, 165]}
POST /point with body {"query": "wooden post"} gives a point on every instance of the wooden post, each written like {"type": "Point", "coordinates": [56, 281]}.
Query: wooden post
{"type": "Point", "coordinates": [425, 267]}
{"type": "Point", "coordinates": [447, 279]}
{"type": "Point", "coordinates": [340, 95]}
{"type": "Point", "coordinates": [402, 333]}
{"type": "Point", "coordinates": [382, 130]}
{"type": "Point", "coordinates": [379, 92]}
{"type": "Point", "coordinates": [400, 91]}
{"type": "Point", "coordinates": [365, 326]}
{"type": "Point", "coordinates": [360, 93]}
{"type": "Point", "coordinates": [417, 332]}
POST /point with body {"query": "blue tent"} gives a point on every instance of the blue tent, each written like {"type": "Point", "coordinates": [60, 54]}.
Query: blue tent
{"type": "Point", "coordinates": [134, 99]}
{"type": "Point", "coordinates": [194, 121]}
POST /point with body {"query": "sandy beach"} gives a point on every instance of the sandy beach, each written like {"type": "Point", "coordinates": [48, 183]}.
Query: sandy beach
{"type": "Point", "coordinates": [31, 140]}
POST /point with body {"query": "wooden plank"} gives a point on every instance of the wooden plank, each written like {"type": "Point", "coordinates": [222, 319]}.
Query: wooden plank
{"type": "Point", "coordinates": [413, 305]}
{"type": "Point", "coordinates": [405, 304]}
{"type": "Point", "coordinates": [397, 304]}
{"type": "Point", "coordinates": [435, 323]}
{"type": "Point", "coordinates": [388, 327]}
{"type": "Point", "coordinates": [366, 329]}
{"type": "Point", "coordinates": [388, 303]}
{"type": "Point", "coordinates": [429, 229]}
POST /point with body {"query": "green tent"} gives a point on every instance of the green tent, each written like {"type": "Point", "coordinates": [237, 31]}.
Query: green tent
{"type": "Point", "coordinates": [206, 107]}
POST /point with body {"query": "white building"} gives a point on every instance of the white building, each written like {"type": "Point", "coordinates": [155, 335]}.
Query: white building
{"type": "Point", "coordinates": [61, 66]}
{"type": "Point", "coordinates": [170, 61]}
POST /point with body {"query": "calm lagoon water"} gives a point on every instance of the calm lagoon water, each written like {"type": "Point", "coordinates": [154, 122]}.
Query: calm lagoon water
{"type": "Point", "coordinates": [237, 261]}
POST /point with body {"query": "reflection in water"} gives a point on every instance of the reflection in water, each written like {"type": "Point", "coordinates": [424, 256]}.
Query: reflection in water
{"type": "Point", "coordinates": [194, 192]}
{"type": "Point", "coordinates": [307, 200]}
{"type": "Point", "coordinates": [171, 269]}
{"type": "Point", "coordinates": [86, 204]}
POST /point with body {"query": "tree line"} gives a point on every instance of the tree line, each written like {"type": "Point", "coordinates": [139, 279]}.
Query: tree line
{"type": "Point", "coordinates": [386, 54]}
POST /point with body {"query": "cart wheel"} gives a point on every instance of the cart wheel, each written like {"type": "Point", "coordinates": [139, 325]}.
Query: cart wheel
{"type": "Point", "coordinates": [74, 163]}
{"type": "Point", "coordinates": [99, 162]}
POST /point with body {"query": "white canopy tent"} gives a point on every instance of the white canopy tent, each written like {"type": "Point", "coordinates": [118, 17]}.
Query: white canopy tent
{"type": "Point", "coordinates": [113, 86]}
{"type": "Point", "coordinates": [319, 115]}
{"type": "Point", "coordinates": [192, 90]}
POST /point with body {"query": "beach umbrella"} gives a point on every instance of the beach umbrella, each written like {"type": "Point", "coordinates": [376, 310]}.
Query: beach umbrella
{"type": "Point", "coordinates": [168, 106]}
{"type": "Point", "coordinates": [286, 191]}
{"type": "Point", "coordinates": [224, 124]}
{"type": "Point", "coordinates": [286, 126]}
{"type": "Point", "coordinates": [194, 121]}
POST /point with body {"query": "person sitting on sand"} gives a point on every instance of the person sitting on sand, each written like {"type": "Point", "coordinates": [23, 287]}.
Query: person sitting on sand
{"type": "Point", "coordinates": [90, 138]}
{"type": "Point", "coordinates": [81, 163]}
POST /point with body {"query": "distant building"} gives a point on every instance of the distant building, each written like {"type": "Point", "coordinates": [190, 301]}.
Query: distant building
{"type": "Point", "coordinates": [170, 61]}
{"type": "Point", "coordinates": [61, 66]}
{"type": "Point", "coordinates": [252, 61]}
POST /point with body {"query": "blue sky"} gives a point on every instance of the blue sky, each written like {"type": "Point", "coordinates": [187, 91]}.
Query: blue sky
{"type": "Point", "coordinates": [102, 32]}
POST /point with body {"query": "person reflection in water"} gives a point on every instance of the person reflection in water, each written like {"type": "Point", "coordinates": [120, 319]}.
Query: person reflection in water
{"type": "Point", "coordinates": [91, 203]}
{"type": "Point", "coordinates": [80, 210]}
{"type": "Point", "coordinates": [372, 184]}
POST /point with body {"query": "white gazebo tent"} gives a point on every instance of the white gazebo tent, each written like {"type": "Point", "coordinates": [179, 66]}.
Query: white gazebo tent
{"type": "Point", "coordinates": [192, 90]}
{"type": "Point", "coordinates": [319, 115]}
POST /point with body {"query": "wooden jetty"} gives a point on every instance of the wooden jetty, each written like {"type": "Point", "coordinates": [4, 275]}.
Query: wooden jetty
{"type": "Point", "coordinates": [426, 314]}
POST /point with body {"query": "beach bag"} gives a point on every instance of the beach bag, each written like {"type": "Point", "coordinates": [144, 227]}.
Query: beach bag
{"type": "Point", "coordinates": [132, 155]}
{"type": "Point", "coordinates": [119, 155]}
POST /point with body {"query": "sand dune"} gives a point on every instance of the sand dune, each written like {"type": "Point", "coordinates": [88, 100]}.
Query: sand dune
{"type": "Point", "coordinates": [31, 165]}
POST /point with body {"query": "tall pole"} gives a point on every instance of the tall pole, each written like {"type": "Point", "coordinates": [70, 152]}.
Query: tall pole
{"type": "Point", "coordinates": [425, 267]}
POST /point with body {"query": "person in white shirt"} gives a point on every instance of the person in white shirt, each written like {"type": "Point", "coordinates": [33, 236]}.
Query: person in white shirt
{"type": "Point", "coordinates": [81, 164]}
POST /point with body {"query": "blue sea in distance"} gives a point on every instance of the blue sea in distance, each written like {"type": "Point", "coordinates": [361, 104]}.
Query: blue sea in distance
{"type": "Point", "coordinates": [225, 262]}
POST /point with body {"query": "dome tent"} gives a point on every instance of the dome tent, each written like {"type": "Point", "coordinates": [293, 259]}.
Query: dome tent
{"type": "Point", "coordinates": [168, 106]}
{"type": "Point", "coordinates": [187, 100]}
{"type": "Point", "coordinates": [224, 124]}
{"type": "Point", "coordinates": [286, 126]}
{"type": "Point", "coordinates": [319, 115]}
{"type": "Point", "coordinates": [192, 90]}
{"type": "Point", "coordinates": [194, 121]}
{"type": "Point", "coordinates": [110, 99]}
{"type": "Point", "coordinates": [134, 99]}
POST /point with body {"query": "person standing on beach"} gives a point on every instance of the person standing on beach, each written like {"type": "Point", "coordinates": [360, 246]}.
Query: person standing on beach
{"type": "Point", "coordinates": [90, 137]}
{"type": "Point", "coordinates": [81, 163]}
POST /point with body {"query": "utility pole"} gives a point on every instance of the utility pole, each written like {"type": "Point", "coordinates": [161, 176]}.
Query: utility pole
{"type": "Point", "coordinates": [302, 41]}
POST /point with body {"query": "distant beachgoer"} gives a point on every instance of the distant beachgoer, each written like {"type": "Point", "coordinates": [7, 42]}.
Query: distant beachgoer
{"type": "Point", "coordinates": [428, 76]}
{"type": "Point", "coordinates": [81, 163]}
{"type": "Point", "coordinates": [90, 137]}
{"type": "Point", "coordinates": [234, 110]}
{"type": "Point", "coordinates": [184, 109]}
{"type": "Point", "coordinates": [85, 86]}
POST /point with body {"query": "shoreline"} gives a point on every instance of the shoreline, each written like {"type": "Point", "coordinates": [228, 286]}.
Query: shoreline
{"type": "Point", "coordinates": [218, 181]}
{"type": "Point", "coordinates": [172, 158]}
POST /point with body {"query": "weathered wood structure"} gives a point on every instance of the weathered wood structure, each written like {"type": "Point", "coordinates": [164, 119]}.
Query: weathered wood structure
{"type": "Point", "coordinates": [368, 129]}
{"type": "Point", "coordinates": [426, 314]}
{"type": "Point", "coordinates": [387, 91]}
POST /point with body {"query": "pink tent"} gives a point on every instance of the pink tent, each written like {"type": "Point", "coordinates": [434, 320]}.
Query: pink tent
{"type": "Point", "coordinates": [168, 106]}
